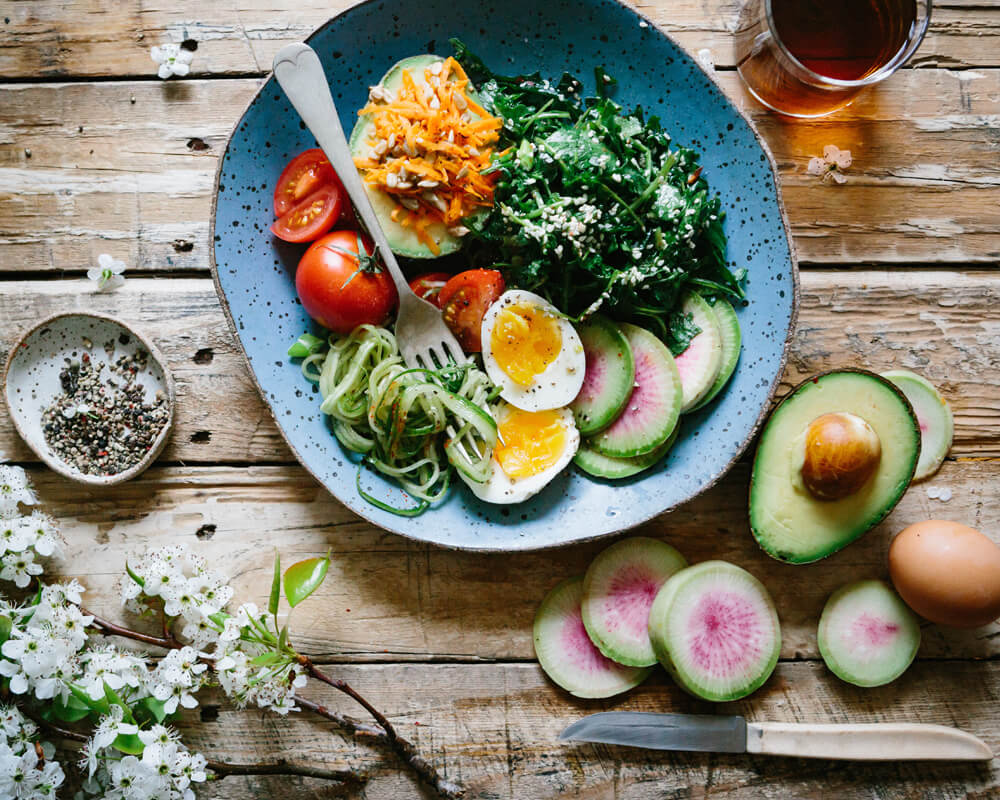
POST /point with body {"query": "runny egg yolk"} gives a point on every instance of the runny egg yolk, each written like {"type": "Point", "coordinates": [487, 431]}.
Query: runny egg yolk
{"type": "Point", "coordinates": [530, 442]}
{"type": "Point", "coordinates": [525, 339]}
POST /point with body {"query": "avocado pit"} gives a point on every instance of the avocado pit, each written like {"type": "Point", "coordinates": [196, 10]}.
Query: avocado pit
{"type": "Point", "coordinates": [842, 452]}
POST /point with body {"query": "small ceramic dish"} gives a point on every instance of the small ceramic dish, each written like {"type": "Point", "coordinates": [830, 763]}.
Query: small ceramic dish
{"type": "Point", "coordinates": [32, 381]}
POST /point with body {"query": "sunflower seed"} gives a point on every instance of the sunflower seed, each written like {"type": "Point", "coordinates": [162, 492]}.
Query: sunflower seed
{"type": "Point", "coordinates": [460, 102]}
{"type": "Point", "coordinates": [459, 231]}
{"type": "Point", "coordinates": [463, 171]}
{"type": "Point", "coordinates": [436, 67]}
{"type": "Point", "coordinates": [391, 180]}
{"type": "Point", "coordinates": [409, 202]}
{"type": "Point", "coordinates": [404, 185]}
{"type": "Point", "coordinates": [427, 184]}
{"type": "Point", "coordinates": [380, 148]}
{"type": "Point", "coordinates": [435, 103]}
{"type": "Point", "coordinates": [435, 201]}
{"type": "Point", "coordinates": [473, 151]}
{"type": "Point", "coordinates": [451, 136]}
{"type": "Point", "coordinates": [392, 141]}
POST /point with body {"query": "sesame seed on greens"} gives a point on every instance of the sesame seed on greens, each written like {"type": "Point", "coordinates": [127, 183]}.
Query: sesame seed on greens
{"type": "Point", "coordinates": [595, 208]}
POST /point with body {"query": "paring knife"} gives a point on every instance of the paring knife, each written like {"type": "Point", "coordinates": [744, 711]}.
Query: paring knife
{"type": "Point", "coordinates": [882, 741]}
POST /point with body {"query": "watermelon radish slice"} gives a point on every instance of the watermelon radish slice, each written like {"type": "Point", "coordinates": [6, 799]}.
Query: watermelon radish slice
{"type": "Point", "coordinates": [651, 413]}
{"type": "Point", "coordinates": [610, 374]}
{"type": "Point", "coordinates": [701, 363]}
{"type": "Point", "coordinates": [937, 427]}
{"type": "Point", "coordinates": [601, 466]}
{"type": "Point", "coordinates": [567, 655]}
{"type": "Point", "coordinates": [619, 589]}
{"type": "Point", "coordinates": [867, 635]}
{"type": "Point", "coordinates": [729, 327]}
{"type": "Point", "coordinates": [714, 628]}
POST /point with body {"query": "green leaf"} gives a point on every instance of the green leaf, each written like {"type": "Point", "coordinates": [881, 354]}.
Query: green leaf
{"type": "Point", "coordinates": [272, 604]}
{"type": "Point", "coordinates": [6, 625]}
{"type": "Point", "coordinates": [152, 708]}
{"type": "Point", "coordinates": [304, 578]}
{"type": "Point", "coordinates": [129, 743]}
{"type": "Point", "coordinates": [133, 576]}
{"type": "Point", "coordinates": [265, 659]}
{"type": "Point", "coordinates": [283, 638]}
{"type": "Point", "coordinates": [71, 711]}
{"type": "Point", "coordinates": [101, 706]}
{"type": "Point", "coordinates": [115, 700]}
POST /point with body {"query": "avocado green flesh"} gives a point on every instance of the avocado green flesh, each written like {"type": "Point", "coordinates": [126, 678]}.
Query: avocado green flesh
{"type": "Point", "coordinates": [403, 241]}
{"type": "Point", "coordinates": [787, 521]}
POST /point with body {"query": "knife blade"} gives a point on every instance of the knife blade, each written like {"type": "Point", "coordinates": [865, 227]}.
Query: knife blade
{"type": "Point", "coordinates": [881, 741]}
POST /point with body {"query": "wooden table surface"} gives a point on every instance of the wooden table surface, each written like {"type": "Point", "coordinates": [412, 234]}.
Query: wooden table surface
{"type": "Point", "coordinates": [899, 269]}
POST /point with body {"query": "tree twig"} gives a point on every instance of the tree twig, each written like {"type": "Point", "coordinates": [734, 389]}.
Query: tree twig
{"type": "Point", "coordinates": [404, 748]}
{"type": "Point", "coordinates": [222, 769]}
{"type": "Point", "coordinates": [385, 734]}
{"type": "Point", "coordinates": [108, 628]}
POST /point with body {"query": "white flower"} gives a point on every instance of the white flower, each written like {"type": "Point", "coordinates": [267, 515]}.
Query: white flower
{"type": "Point", "coordinates": [108, 273]}
{"type": "Point", "coordinates": [111, 727]}
{"type": "Point", "coordinates": [832, 164]}
{"type": "Point", "coordinates": [19, 567]}
{"type": "Point", "coordinates": [44, 532]}
{"type": "Point", "coordinates": [172, 58]}
{"type": "Point", "coordinates": [14, 488]}
{"type": "Point", "coordinates": [177, 678]}
{"type": "Point", "coordinates": [15, 533]}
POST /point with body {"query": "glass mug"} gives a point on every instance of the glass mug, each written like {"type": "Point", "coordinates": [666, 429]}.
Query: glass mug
{"type": "Point", "coordinates": [807, 58]}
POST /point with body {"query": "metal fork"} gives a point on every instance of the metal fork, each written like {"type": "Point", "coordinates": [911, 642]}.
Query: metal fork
{"type": "Point", "coordinates": [424, 340]}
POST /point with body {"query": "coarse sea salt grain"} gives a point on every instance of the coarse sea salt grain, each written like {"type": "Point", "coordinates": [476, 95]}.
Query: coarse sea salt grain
{"type": "Point", "coordinates": [933, 492]}
{"type": "Point", "coordinates": [945, 495]}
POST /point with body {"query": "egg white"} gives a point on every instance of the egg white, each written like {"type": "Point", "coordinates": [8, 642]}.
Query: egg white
{"type": "Point", "coordinates": [500, 488]}
{"type": "Point", "coordinates": [561, 381]}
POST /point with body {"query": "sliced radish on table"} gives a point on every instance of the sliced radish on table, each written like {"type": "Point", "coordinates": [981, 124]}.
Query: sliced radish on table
{"type": "Point", "coordinates": [609, 378]}
{"type": "Point", "coordinates": [867, 635]}
{"type": "Point", "coordinates": [714, 628]}
{"type": "Point", "coordinates": [651, 413]}
{"type": "Point", "coordinates": [618, 591]}
{"type": "Point", "coordinates": [567, 655]}
{"type": "Point", "coordinates": [933, 415]}
{"type": "Point", "coordinates": [699, 365]}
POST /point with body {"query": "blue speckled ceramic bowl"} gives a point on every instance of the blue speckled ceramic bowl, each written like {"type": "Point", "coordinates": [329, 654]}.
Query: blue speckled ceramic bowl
{"type": "Point", "coordinates": [254, 271]}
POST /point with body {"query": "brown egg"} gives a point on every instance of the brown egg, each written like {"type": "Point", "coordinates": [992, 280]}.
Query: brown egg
{"type": "Point", "coordinates": [947, 572]}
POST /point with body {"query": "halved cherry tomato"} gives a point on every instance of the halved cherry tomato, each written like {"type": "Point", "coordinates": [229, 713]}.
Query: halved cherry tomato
{"type": "Point", "coordinates": [303, 175]}
{"type": "Point", "coordinates": [464, 301]}
{"type": "Point", "coordinates": [311, 218]}
{"type": "Point", "coordinates": [339, 292]}
{"type": "Point", "coordinates": [429, 285]}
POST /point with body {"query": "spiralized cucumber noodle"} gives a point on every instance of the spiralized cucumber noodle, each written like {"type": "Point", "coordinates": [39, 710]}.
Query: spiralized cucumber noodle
{"type": "Point", "coordinates": [412, 425]}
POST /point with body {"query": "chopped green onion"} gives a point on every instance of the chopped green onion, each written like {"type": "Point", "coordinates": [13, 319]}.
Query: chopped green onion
{"type": "Point", "coordinates": [306, 345]}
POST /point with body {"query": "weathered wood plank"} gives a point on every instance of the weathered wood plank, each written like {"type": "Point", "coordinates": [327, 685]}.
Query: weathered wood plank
{"type": "Point", "coordinates": [106, 174]}
{"type": "Point", "coordinates": [495, 728]}
{"type": "Point", "coordinates": [388, 599]}
{"type": "Point", "coordinates": [942, 324]}
{"type": "Point", "coordinates": [82, 38]}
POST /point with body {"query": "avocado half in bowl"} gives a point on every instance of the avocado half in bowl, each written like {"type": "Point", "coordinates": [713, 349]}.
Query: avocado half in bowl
{"type": "Point", "coordinates": [833, 460]}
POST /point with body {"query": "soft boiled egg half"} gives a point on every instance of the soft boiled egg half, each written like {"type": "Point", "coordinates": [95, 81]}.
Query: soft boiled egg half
{"type": "Point", "coordinates": [532, 352]}
{"type": "Point", "coordinates": [532, 448]}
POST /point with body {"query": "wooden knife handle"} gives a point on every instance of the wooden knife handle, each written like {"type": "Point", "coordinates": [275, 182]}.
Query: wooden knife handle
{"type": "Point", "coordinates": [888, 741]}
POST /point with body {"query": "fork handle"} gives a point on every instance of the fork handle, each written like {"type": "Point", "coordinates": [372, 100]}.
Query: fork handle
{"type": "Point", "coordinates": [299, 72]}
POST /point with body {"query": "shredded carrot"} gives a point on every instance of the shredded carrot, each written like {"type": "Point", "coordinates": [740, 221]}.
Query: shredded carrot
{"type": "Point", "coordinates": [433, 133]}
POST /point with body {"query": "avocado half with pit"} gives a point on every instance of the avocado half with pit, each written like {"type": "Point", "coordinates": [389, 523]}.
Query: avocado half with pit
{"type": "Point", "coordinates": [403, 241]}
{"type": "Point", "coordinates": [833, 460]}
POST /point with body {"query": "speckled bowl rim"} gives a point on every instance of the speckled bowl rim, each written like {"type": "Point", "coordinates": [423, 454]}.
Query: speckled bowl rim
{"type": "Point", "coordinates": [518, 547]}
{"type": "Point", "coordinates": [60, 466]}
